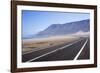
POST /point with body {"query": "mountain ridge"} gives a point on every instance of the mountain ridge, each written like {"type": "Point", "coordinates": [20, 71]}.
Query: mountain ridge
{"type": "Point", "coordinates": [67, 28]}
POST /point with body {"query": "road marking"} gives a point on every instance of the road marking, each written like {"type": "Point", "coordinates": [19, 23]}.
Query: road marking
{"type": "Point", "coordinates": [53, 51]}
{"type": "Point", "coordinates": [81, 50]}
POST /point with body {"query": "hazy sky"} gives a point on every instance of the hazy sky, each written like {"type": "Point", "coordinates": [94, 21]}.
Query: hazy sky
{"type": "Point", "coordinates": [35, 21]}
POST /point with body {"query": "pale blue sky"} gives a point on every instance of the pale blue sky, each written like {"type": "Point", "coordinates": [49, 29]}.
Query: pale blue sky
{"type": "Point", "coordinates": [35, 21]}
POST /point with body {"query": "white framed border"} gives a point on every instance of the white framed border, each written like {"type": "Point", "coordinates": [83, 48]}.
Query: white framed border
{"type": "Point", "coordinates": [53, 63]}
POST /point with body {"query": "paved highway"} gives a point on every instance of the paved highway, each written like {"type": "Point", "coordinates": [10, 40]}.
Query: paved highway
{"type": "Point", "coordinates": [78, 49]}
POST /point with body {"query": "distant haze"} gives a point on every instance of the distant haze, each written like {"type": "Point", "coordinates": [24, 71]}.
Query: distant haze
{"type": "Point", "coordinates": [35, 23]}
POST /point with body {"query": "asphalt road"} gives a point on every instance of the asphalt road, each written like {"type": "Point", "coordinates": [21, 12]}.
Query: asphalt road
{"type": "Point", "coordinates": [66, 51]}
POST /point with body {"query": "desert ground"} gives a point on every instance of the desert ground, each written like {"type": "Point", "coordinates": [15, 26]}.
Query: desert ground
{"type": "Point", "coordinates": [30, 45]}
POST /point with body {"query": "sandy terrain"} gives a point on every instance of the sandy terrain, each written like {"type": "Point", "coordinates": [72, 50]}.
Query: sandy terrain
{"type": "Point", "coordinates": [38, 44]}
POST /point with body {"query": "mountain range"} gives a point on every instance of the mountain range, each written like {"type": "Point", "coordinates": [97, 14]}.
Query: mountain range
{"type": "Point", "coordinates": [64, 29]}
